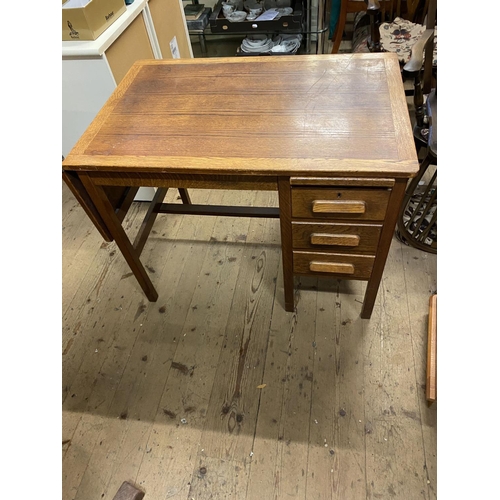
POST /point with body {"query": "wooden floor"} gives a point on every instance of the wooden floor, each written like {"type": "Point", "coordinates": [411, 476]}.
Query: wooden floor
{"type": "Point", "coordinates": [215, 392]}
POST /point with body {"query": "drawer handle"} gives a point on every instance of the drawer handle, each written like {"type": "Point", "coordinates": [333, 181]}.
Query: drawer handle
{"type": "Point", "coordinates": [331, 267]}
{"type": "Point", "coordinates": [341, 240]}
{"type": "Point", "coordinates": [339, 206]}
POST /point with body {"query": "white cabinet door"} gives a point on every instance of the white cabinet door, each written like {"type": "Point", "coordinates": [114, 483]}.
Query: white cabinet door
{"type": "Point", "coordinates": [87, 84]}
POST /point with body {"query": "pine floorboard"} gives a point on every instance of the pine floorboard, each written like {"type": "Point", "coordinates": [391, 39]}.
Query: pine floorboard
{"type": "Point", "coordinates": [215, 391]}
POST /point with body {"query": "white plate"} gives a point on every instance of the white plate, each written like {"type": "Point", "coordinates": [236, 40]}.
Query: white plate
{"type": "Point", "coordinates": [256, 44]}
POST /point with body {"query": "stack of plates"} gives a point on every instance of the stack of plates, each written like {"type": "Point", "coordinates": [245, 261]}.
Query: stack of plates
{"type": "Point", "coordinates": [256, 44]}
{"type": "Point", "coordinates": [286, 43]}
{"type": "Point", "coordinates": [260, 44]}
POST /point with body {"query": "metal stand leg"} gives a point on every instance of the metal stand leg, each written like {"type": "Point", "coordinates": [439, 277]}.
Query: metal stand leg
{"type": "Point", "coordinates": [203, 45]}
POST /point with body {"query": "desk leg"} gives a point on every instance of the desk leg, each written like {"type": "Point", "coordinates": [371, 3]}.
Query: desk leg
{"type": "Point", "coordinates": [185, 196]}
{"type": "Point", "coordinates": [393, 207]}
{"type": "Point", "coordinates": [285, 204]}
{"type": "Point", "coordinates": [105, 209]}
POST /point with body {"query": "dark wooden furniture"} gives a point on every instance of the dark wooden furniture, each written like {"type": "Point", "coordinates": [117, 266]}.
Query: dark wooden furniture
{"type": "Point", "coordinates": [307, 126]}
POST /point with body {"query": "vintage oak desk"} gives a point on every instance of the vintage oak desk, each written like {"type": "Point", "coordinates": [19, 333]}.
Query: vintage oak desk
{"type": "Point", "coordinates": [331, 133]}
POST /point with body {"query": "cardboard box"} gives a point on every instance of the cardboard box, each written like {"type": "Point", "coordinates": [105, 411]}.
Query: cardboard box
{"type": "Point", "coordinates": [87, 19]}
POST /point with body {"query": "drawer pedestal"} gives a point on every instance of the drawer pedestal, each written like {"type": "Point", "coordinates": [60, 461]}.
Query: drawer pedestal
{"type": "Point", "coordinates": [338, 228]}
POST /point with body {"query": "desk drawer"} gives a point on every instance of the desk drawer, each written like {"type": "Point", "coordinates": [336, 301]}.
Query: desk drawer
{"type": "Point", "coordinates": [357, 204]}
{"type": "Point", "coordinates": [333, 264]}
{"type": "Point", "coordinates": [330, 236]}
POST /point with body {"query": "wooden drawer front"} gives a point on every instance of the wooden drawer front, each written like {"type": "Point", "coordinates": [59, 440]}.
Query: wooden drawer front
{"type": "Point", "coordinates": [358, 204]}
{"type": "Point", "coordinates": [333, 264]}
{"type": "Point", "coordinates": [354, 238]}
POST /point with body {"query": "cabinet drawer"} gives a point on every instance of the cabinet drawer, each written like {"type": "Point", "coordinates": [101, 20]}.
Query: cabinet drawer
{"type": "Point", "coordinates": [354, 238]}
{"type": "Point", "coordinates": [357, 204]}
{"type": "Point", "coordinates": [333, 264]}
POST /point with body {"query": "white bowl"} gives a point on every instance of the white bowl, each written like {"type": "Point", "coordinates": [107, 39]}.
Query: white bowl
{"type": "Point", "coordinates": [237, 16]}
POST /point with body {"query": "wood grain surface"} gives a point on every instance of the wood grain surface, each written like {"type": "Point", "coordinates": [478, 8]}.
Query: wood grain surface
{"type": "Point", "coordinates": [266, 115]}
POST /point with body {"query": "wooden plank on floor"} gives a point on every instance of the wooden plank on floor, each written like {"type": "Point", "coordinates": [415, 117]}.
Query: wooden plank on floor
{"type": "Point", "coordinates": [420, 270]}
{"type": "Point", "coordinates": [93, 289]}
{"type": "Point", "coordinates": [321, 450]}
{"type": "Point", "coordinates": [337, 450]}
{"type": "Point", "coordinates": [234, 402]}
{"type": "Point", "coordinates": [124, 422]}
{"type": "Point", "coordinates": [85, 272]}
{"type": "Point", "coordinates": [135, 402]}
{"type": "Point", "coordinates": [84, 325]}
{"type": "Point", "coordinates": [291, 466]}
{"type": "Point", "coordinates": [348, 475]}
{"type": "Point", "coordinates": [166, 471]}
{"type": "Point", "coordinates": [263, 473]}
{"type": "Point", "coordinates": [93, 367]}
{"type": "Point", "coordinates": [218, 478]}
{"type": "Point", "coordinates": [157, 348]}
{"type": "Point", "coordinates": [395, 455]}
{"type": "Point", "coordinates": [98, 324]}
{"type": "Point", "coordinates": [81, 242]}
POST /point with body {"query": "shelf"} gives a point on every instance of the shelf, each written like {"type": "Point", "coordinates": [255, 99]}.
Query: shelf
{"type": "Point", "coordinates": [314, 35]}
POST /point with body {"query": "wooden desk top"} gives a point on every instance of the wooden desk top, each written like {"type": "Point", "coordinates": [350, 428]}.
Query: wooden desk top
{"type": "Point", "coordinates": [296, 115]}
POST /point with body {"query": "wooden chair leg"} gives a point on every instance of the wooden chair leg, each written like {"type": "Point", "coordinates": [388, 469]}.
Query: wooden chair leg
{"type": "Point", "coordinates": [339, 28]}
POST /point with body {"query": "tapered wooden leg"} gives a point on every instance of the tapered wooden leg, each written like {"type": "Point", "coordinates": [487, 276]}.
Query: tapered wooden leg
{"type": "Point", "coordinates": [105, 209]}
{"type": "Point", "coordinates": [397, 195]}
{"type": "Point", "coordinates": [286, 240]}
